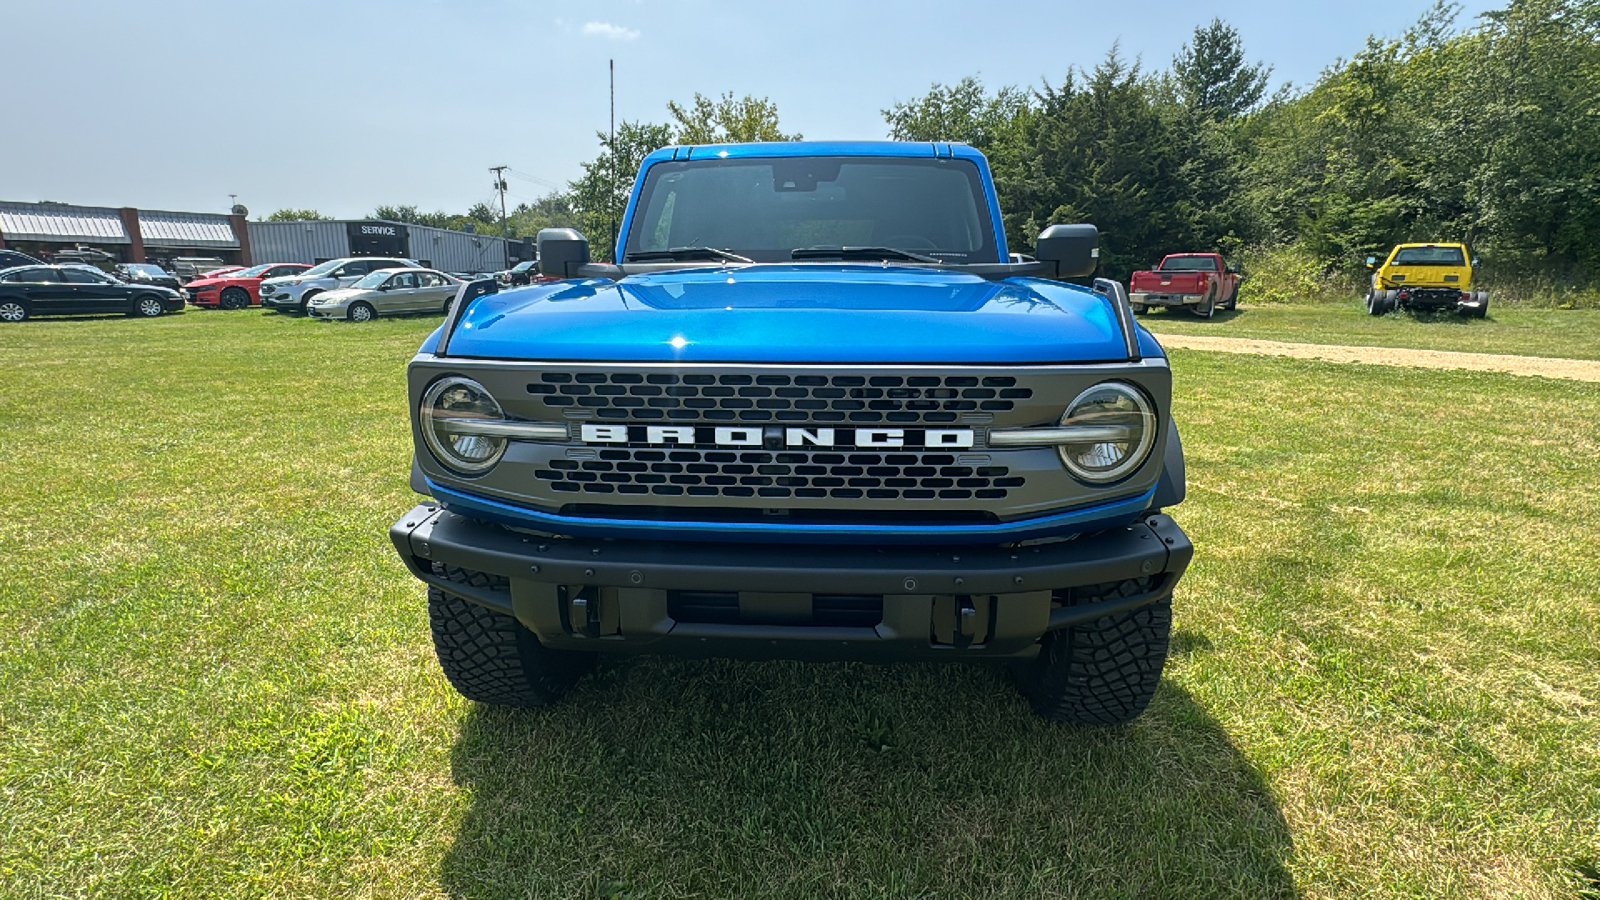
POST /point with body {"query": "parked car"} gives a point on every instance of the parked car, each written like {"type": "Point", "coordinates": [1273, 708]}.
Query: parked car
{"type": "Point", "coordinates": [10, 259]}
{"type": "Point", "coordinates": [291, 293]}
{"type": "Point", "coordinates": [188, 268]}
{"type": "Point", "coordinates": [521, 273]}
{"type": "Point", "coordinates": [239, 289]}
{"type": "Point", "coordinates": [63, 290]}
{"type": "Point", "coordinates": [1426, 276]}
{"type": "Point", "coordinates": [387, 292]}
{"type": "Point", "coordinates": [145, 273]}
{"type": "Point", "coordinates": [1199, 282]}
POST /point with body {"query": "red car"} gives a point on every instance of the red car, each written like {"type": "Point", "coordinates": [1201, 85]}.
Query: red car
{"type": "Point", "coordinates": [237, 289]}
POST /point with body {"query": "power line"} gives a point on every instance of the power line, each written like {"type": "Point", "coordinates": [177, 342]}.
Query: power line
{"type": "Point", "coordinates": [500, 185]}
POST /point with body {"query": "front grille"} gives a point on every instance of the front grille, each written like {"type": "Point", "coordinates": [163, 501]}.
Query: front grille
{"type": "Point", "coordinates": [664, 396]}
{"type": "Point", "coordinates": [781, 475]}
{"type": "Point", "coordinates": [830, 610]}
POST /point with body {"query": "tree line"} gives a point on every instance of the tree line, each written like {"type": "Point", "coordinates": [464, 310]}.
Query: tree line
{"type": "Point", "coordinates": [1485, 132]}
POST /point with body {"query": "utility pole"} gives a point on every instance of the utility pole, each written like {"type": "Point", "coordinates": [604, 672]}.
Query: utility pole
{"type": "Point", "coordinates": [500, 185]}
{"type": "Point", "coordinates": [611, 148]}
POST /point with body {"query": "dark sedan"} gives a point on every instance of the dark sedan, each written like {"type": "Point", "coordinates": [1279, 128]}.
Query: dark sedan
{"type": "Point", "coordinates": [64, 290]}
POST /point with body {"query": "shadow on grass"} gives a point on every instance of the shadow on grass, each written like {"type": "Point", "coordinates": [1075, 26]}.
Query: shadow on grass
{"type": "Point", "coordinates": [722, 778]}
{"type": "Point", "coordinates": [1183, 315]}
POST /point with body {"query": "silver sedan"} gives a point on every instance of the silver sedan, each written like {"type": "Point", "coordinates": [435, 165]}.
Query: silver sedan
{"type": "Point", "coordinates": [387, 292]}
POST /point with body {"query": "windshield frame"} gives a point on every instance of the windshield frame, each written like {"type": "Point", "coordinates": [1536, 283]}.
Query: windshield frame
{"type": "Point", "coordinates": [991, 247]}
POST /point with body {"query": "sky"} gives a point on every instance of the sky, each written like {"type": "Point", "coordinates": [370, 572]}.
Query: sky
{"type": "Point", "coordinates": [342, 105]}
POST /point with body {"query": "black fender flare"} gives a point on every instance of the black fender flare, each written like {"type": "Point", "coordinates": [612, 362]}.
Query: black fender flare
{"type": "Point", "coordinates": [1173, 486]}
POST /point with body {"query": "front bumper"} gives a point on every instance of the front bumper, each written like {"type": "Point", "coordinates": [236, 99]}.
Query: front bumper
{"type": "Point", "coordinates": [773, 600]}
{"type": "Point", "coordinates": [328, 312]}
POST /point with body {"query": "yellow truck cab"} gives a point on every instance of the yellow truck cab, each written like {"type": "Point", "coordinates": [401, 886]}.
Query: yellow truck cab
{"type": "Point", "coordinates": [1425, 276]}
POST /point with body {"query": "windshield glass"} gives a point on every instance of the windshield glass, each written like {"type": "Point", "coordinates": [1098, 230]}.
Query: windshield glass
{"type": "Point", "coordinates": [1188, 264]}
{"type": "Point", "coordinates": [523, 266]}
{"type": "Point", "coordinates": [1429, 256]}
{"type": "Point", "coordinates": [374, 279]}
{"type": "Point", "coordinates": [318, 271]}
{"type": "Point", "coordinates": [146, 269]}
{"type": "Point", "coordinates": [765, 209]}
{"type": "Point", "coordinates": [251, 272]}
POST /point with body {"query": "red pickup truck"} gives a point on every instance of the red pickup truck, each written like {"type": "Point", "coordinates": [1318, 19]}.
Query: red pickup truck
{"type": "Point", "coordinates": [1201, 282]}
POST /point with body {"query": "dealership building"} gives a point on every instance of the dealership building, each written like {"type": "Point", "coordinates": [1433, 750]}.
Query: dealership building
{"type": "Point", "coordinates": [125, 234]}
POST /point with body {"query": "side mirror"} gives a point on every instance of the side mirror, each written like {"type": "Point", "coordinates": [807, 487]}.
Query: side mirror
{"type": "Point", "coordinates": [1074, 249]}
{"type": "Point", "coordinates": [561, 250]}
{"type": "Point", "coordinates": [1475, 262]}
{"type": "Point", "coordinates": [1232, 270]}
{"type": "Point", "coordinates": [1372, 261]}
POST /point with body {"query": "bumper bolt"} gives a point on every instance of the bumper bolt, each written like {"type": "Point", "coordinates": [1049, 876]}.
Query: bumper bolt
{"type": "Point", "coordinates": [911, 584]}
{"type": "Point", "coordinates": [1017, 580]}
{"type": "Point", "coordinates": [534, 569]}
{"type": "Point", "coordinates": [588, 573]}
{"type": "Point", "coordinates": [960, 582]}
{"type": "Point", "coordinates": [1147, 566]}
{"type": "Point", "coordinates": [636, 577]}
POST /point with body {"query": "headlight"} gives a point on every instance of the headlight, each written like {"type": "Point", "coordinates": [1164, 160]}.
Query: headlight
{"type": "Point", "coordinates": [451, 408]}
{"type": "Point", "coordinates": [1122, 413]}
{"type": "Point", "coordinates": [295, 283]}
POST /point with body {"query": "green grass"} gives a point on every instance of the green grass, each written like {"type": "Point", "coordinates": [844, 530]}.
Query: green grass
{"type": "Point", "coordinates": [216, 680]}
{"type": "Point", "coordinates": [1572, 334]}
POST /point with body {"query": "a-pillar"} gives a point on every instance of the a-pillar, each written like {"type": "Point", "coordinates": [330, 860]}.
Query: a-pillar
{"type": "Point", "coordinates": [130, 224]}
{"type": "Point", "coordinates": [241, 231]}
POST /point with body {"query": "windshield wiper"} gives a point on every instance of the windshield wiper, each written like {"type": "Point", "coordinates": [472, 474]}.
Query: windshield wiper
{"type": "Point", "coordinates": [682, 253]}
{"type": "Point", "coordinates": [859, 253]}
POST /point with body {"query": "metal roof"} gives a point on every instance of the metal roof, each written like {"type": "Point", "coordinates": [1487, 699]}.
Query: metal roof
{"type": "Point", "coordinates": [180, 229]}
{"type": "Point", "coordinates": [59, 222]}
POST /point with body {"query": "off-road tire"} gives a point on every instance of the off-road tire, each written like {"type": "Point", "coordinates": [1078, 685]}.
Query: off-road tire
{"type": "Point", "coordinates": [234, 298]}
{"type": "Point", "coordinates": [490, 657]}
{"type": "Point", "coordinates": [1482, 309]}
{"type": "Point", "coordinates": [1381, 303]}
{"type": "Point", "coordinates": [1104, 672]}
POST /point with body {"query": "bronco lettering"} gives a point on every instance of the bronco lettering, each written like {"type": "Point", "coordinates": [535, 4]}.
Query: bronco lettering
{"type": "Point", "coordinates": [945, 438]}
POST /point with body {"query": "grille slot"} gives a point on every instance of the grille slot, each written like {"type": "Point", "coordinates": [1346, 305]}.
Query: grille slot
{"type": "Point", "coordinates": [819, 399]}
{"type": "Point", "coordinates": [793, 474]}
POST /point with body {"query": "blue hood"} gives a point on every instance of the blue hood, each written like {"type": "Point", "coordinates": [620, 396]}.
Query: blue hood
{"type": "Point", "coordinates": [812, 313]}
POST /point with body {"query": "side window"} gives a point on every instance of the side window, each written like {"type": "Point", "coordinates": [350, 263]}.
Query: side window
{"type": "Point", "coordinates": [351, 270]}
{"type": "Point", "coordinates": [34, 276]}
{"type": "Point", "coordinates": [403, 281]}
{"type": "Point", "coordinates": [429, 279]}
{"type": "Point", "coordinates": [80, 276]}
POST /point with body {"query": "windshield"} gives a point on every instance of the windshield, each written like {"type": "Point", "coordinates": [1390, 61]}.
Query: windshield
{"type": "Point", "coordinates": [1188, 264]}
{"type": "Point", "coordinates": [374, 279]}
{"type": "Point", "coordinates": [251, 272]}
{"type": "Point", "coordinates": [765, 209]}
{"type": "Point", "coordinates": [523, 266]}
{"type": "Point", "coordinates": [322, 269]}
{"type": "Point", "coordinates": [1429, 256]}
{"type": "Point", "coordinates": [145, 269]}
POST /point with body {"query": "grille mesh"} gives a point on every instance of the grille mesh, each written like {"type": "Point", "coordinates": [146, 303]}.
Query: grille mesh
{"type": "Point", "coordinates": [663, 396]}
{"type": "Point", "coordinates": [809, 474]}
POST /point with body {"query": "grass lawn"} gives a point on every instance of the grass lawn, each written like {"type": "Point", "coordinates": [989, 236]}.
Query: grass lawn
{"type": "Point", "coordinates": [1569, 333]}
{"type": "Point", "coordinates": [216, 679]}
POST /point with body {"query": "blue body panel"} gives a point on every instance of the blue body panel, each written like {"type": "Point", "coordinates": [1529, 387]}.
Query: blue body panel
{"type": "Point", "coordinates": [796, 313]}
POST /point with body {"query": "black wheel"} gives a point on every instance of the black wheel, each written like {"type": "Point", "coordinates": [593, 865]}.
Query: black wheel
{"type": "Point", "coordinates": [234, 298]}
{"type": "Point", "coordinates": [306, 301]}
{"type": "Point", "coordinates": [13, 310]}
{"type": "Point", "coordinates": [1381, 303]}
{"type": "Point", "coordinates": [1479, 311]}
{"type": "Point", "coordinates": [1104, 672]}
{"type": "Point", "coordinates": [491, 658]}
{"type": "Point", "coordinates": [148, 306]}
{"type": "Point", "coordinates": [361, 312]}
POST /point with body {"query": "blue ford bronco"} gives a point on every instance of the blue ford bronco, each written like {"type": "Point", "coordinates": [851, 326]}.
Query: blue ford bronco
{"type": "Point", "coordinates": [812, 411]}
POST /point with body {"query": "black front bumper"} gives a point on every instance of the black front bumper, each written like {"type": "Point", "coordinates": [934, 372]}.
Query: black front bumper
{"type": "Point", "coordinates": [929, 602]}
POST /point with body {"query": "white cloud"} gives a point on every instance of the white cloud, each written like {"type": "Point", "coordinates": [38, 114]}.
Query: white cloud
{"type": "Point", "coordinates": [609, 31]}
